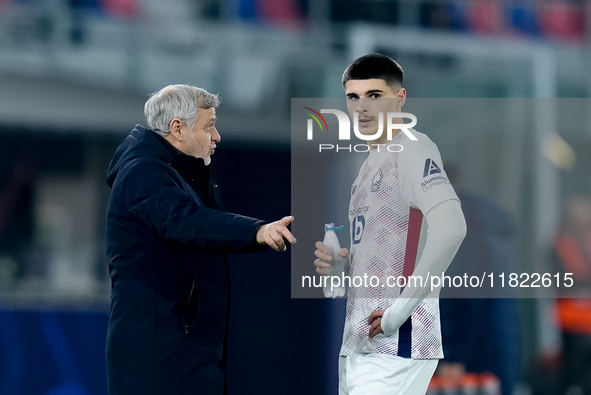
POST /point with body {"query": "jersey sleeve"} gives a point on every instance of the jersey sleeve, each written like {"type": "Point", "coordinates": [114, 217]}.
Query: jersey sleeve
{"type": "Point", "coordinates": [423, 180]}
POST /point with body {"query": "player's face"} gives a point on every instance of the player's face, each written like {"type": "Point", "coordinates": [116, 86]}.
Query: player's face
{"type": "Point", "coordinates": [369, 98]}
{"type": "Point", "coordinates": [201, 140]}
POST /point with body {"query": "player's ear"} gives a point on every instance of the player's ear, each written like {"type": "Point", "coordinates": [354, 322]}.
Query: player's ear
{"type": "Point", "coordinates": [401, 96]}
{"type": "Point", "coordinates": [175, 127]}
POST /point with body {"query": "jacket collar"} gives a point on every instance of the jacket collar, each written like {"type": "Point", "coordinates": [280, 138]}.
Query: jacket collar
{"type": "Point", "coordinates": [142, 142]}
{"type": "Point", "coordinates": [188, 166]}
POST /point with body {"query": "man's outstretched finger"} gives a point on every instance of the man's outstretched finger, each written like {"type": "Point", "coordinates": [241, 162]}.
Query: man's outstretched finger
{"type": "Point", "coordinates": [278, 240]}
{"type": "Point", "coordinates": [286, 220]}
{"type": "Point", "coordinates": [287, 235]}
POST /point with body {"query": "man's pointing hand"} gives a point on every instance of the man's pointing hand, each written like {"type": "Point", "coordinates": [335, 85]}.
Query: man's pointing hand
{"type": "Point", "coordinates": [275, 234]}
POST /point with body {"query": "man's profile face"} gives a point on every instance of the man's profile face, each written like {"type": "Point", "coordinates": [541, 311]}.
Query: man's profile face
{"type": "Point", "coordinates": [369, 98]}
{"type": "Point", "coordinates": [201, 140]}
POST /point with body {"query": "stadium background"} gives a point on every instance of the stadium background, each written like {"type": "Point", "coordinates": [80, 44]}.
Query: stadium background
{"type": "Point", "coordinates": [73, 79]}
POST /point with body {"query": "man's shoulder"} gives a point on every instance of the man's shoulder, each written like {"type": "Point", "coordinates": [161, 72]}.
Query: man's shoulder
{"type": "Point", "coordinates": [142, 169]}
{"type": "Point", "coordinates": [146, 163]}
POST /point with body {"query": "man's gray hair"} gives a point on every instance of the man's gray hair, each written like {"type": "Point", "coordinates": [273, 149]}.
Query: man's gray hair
{"type": "Point", "coordinates": [177, 101]}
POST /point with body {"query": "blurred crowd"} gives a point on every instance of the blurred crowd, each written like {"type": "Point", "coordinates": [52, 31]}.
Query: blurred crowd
{"type": "Point", "coordinates": [556, 19]}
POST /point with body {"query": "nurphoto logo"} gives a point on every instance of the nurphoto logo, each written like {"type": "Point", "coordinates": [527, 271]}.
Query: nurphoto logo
{"type": "Point", "coordinates": [345, 129]}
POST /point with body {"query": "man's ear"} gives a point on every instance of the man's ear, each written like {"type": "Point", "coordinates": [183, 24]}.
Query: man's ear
{"type": "Point", "coordinates": [174, 130]}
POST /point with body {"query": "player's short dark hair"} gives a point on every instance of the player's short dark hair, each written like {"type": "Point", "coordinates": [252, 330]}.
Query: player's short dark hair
{"type": "Point", "coordinates": [374, 65]}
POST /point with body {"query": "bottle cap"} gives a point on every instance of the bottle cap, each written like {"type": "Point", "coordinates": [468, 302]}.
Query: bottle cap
{"type": "Point", "coordinates": [331, 226]}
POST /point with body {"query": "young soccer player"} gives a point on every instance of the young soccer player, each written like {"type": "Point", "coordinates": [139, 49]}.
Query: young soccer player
{"type": "Point", "coordinates": [405, 220]}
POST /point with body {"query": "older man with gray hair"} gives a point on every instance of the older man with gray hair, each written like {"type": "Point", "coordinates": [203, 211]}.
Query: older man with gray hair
{"type": "Point", "coordinates": [167, 239]}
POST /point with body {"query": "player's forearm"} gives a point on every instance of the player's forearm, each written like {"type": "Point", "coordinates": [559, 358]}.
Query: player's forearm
{"type": "Point", "coordinates": [446, 230]}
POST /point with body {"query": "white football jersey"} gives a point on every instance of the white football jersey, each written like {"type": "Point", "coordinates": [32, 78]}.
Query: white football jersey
{"type": "Point", "coordinates": [389, 198]}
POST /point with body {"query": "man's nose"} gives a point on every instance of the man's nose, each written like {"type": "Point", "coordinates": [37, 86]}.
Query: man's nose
{"type": "Point", "coordinates": [215, 136]}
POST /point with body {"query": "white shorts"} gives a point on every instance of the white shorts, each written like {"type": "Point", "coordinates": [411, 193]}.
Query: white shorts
{"type": "Point", "coordinates": [372, 374]}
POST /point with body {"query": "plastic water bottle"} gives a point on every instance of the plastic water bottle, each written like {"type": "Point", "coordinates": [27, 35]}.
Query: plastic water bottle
{"type": "Point", "coordinates": [337, 265]}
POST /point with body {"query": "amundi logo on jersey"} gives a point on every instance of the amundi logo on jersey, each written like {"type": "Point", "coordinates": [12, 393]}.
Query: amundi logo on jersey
{"type": "Point", "coordinates": [345, 130]}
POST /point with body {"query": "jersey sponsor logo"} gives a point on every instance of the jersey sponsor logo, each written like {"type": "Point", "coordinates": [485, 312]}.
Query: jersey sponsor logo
{"type": "Point", "coordinates": [430, 168]}
{"type": "Point", "coordinates": [359, 211]}
{"type": "Point", "coordinates": [431, 182]}
{"type": "Point", "coordinates": [376, 181]}
{"type": "Point", "coordinates": [358, 227]}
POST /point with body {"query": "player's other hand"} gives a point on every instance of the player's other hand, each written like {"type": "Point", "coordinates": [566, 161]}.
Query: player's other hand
{"type": "Point", "coordinates": [275, 234]}
{"type": "Point", "coordinates": [324, 259]}
{"type": "Point", "coordinates": [375, 322]}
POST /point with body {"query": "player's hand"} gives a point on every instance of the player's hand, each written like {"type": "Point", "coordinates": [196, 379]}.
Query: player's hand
{"type": "Point", "coordinates": [322, 263]}
{"type": "Point", "coordinates": [375, 320]}
{"type": "Point", "coordinates": [275, 234]}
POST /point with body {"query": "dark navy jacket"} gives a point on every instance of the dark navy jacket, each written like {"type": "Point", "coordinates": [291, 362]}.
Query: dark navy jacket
{"type": "Point", "coordinates": [167, 236]}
